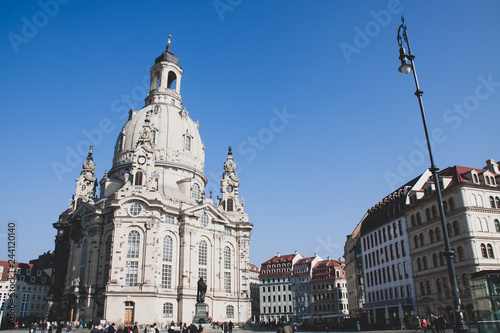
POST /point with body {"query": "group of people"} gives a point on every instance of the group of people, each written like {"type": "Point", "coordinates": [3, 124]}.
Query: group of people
{"type": "Point", "coordinates": [434, 324]}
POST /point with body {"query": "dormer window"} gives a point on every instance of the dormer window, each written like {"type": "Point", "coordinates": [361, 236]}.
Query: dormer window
{"type": "Point", "coordinates": [187, 143]}
{"type": "Point", "coordinates": [195, 192]}
{"type": "Point", "coordinates": [138, 178]}
{"type": "Point", "coordinates": [475, 178]}
{"type": "Point", "coordinates": [153, 136]}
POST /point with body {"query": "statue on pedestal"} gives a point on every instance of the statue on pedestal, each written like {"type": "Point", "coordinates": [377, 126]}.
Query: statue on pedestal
{"type": "Point", "coordinates": [202, 290]}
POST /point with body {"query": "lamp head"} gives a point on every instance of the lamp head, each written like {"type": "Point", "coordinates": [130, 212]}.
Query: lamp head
{"type": "Point", "coordinates": [406, 66]}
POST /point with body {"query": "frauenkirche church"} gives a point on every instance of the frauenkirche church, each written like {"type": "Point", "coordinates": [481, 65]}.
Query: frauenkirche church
{"type": "Point", "coordinates": [134, 250]}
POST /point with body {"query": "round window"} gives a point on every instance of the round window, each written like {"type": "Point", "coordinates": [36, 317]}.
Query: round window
{"type": "Point", "coordinates": [135, 209]}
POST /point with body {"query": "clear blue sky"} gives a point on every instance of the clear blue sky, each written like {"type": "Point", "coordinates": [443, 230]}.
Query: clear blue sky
{"type": "Point", "coordinates": [349, 128]}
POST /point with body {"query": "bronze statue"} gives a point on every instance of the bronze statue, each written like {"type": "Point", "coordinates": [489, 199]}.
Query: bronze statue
{"type": "Point", "coordinates": [202, 290]}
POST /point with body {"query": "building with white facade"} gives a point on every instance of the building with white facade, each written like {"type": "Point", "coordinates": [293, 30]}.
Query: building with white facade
{"type": "Point", "coordinates": [471, 202]}
{"type": "Point", "coordinates": [134, 249]}
{"type": "Point", "coordinates": [276, 299]}
{"type": "Point", "coordinates": [387, 271]}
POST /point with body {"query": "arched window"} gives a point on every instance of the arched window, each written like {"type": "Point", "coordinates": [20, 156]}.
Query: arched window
{"type": "Point", "coordinates": [483, 251]}
{"type": "Point", "coordinates": [445, 206]}
{"type": "Point", "coordinates": [426, 266]}
{"type": "Point", "coordinates": [227, 258]}
{"type": "Point", "coordinates": [431, 236]}
{"type": "Point", "coordinates": [419, 264]}
{"type": "Point", "coordinates": [203, 253]}
{"type": "Point", "coordinates": [419, 218]}
{"type": "Point", "coordinates": [171, 80]}
{"type": "Point", "coordinates": [448, 228]}
{"type": "Point", "coordinates": [435, 260]}
{"type": "Point", "coordinates": [415, 240]}
{"type": "Point", "coordinates": [452, 204]}
{"type": "Point", "coordinates": [133, 244]}
{"type": "Point", "coordinates": [490, 251]}
{"type": "Point", "coordinates": [497, 200]}
{"type": "Point", "coordinates": [168, 310]}
{"type": "Point", "coordinates": [229, 205]}
{"type": "Point", "coordinates": [421, 240]}
{"type": "Point", "coordinates": [107, 254]}
{"type": "Point", "coordinates": [438, 287]}
{"type": "Point", "coordinates": [461, 255]}
{"type": "Point", "coordinates": [438, 234]}
{"type": "Point", "coordinates": [422, 288]}
{"type": "Point", "coordinates": [441, 258]}
{"type": "Point", "coordinates": [434, 212]}
{"type": "Point", "coordinates": [428, 214]}
{"type": "Point", "coordinates": [476, 179]}
{"type": "Point", "coordinates": [230, 311]}
{"type": "Point", "coordinates": [497, 225]}
{"type": "Point", "coordinates": [428, 287]}
{"type": "Point", "coordinates": [138, 178]}
{"type": "Point", "coordinates": [492, 202]}
{"type": "Point", "coordinates": [167, 248]}
{"type": "Point", "coordinates": [413, 222]}
{"type": "Point", "coordinates": [84, 252]}
{"type": "Point", "coordinates": [119, 143]}
{"type": "Point", "coordinates": [187, 143]}
{"type": "Point", "coordinates": [195, 191]}
{"type": "Point", "coordinates": [456, 228]}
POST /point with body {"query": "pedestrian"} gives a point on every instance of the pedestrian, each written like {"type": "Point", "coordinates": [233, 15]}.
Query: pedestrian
{"type": "Point", "coordinates": [68, 328]}
{"type": "Point", "coordinates": [230, 326]}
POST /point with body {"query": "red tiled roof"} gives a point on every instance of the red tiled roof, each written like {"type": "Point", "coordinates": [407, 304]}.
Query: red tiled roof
{"type": "Point", "coordinates": [23, 271]}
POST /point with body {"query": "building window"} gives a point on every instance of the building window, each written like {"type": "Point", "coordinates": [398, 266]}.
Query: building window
{"type": "Point", "coordinates": [204, 219]}
{"type": "Point", "coordinates": [187, 145]}
{"type": "Point", "coordinates": [107, 254]}
{"type": "Point", "coordinates": [203, 252]}
{"type": "Point", "coordinates": [461, 255]}
{"type": "Point", "coordinates": [202, 273]}
{"type": "Point", "coordinates": [422, 288]}
{"type": "Point", "coordinates": [497, 200]}
{"type": "Point", "coordinates": [138, 178]}
{"type": "Point", "coordinates": [483, 251]}
{"type": "Point", "coordinates": [419, 264]}
{"type": "Point", "coordinates": [195, 191]}
{"type": "Point", "coordinates": [168, 310]}
{"type": "Point", "coordinates": [431, 236]}
{"type": "Point", "coordinates": [490, 251]}
{"type": "Point", "coordinates": [492, 202]}
{"type": "Point", "coordinates": [419, 218]}
{"type": "Point", "coordinates": [229, 311]}
{"type": "Point", "coordinates": [133, 244]}
{"type": "Point", "coordinates": [131, 273]}
{"type": "Point", "coordinates": [428, 214]}
{"type": "Point", "coordinates": [456, 228]}
{"type": "Point", "coordinates": [227, 281]}
{"type": "Point", "coordinates": [434, 212]}
{"type": "Point", "coordinates": [497, 225]}
{"type": "Point", "coordinates": [135, 209]}
{"type": "Point", "coordinates": [438, 234]}
{"type": "Point", "coordinates": [153, 136]}
{"type": "Point", "coordinates": [167, 248]}
{"type": "Point", "coordinates": [166, 276]}
{"type": "Point", "coordinates": [227, 258]}
{"type": "Point", "coordinates": [445, 206]}
{"type": "Point", "coordinates": [229, 205]}
{"type": "Point", "coordinates": [452, 204]}
{"type": "Point", "coordinates": [428, 287]}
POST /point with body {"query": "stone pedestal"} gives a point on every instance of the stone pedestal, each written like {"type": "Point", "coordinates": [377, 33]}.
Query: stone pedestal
{"type": "Point", "coordinates": [200, 314]}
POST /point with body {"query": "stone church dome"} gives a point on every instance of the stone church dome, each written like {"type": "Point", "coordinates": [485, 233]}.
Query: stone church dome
{"type": "Point", "coordinates": [162, 123]}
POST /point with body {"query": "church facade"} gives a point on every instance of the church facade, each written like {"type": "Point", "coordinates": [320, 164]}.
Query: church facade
{"type": "Point", "coordinates": [133, 246]}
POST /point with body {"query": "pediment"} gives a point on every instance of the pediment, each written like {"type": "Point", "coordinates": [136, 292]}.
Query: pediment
{"type": "Point", "coordinates": [214, 213]}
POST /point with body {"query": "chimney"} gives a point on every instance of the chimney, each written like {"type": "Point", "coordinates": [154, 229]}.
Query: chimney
{"type": "Point", "coordinates": [278, 254]}
{"type": "Point", "coordinates": [492, 166]}
{"type": "Point", "coordinates": [328, 258]}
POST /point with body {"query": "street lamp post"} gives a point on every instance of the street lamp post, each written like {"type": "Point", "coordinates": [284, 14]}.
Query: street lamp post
{"type": "Point", "coordinates": [407, 66]}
